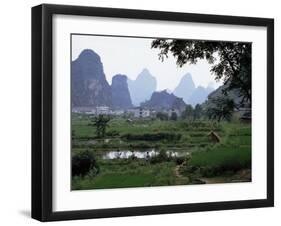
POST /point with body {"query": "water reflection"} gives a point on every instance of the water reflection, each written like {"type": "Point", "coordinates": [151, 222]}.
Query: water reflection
{"type": "Point", "coordinates": [141, 154]}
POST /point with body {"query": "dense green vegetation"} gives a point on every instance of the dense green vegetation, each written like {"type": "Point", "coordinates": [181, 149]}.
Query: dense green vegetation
{"type": "Point", "coordinates": [119, 173]}
{"type": "Point", "coordinates": [198, 155]}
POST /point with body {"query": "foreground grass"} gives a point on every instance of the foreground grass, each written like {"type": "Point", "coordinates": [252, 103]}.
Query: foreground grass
{"type": "Point", "coordinates": [129, 173]}
{"type": "Point", "coordinates": [219, 161]}
{"type": "Point", "coordinates": [223, 157]}
{"type": "Point", "coordinates": [223, 160]}
{"type": "Point", "coordinates": [229, 157]}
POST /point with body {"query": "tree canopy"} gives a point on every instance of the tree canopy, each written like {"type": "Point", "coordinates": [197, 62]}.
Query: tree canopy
{"type": "Point", "coordinates": [231, 61]}
{"type": "Point", "coordinates": [100, 122]}
{"type": "Point", "coordinates": [221, 108]}
{"type": "Point", "coordinates": [188, 112]}
{"type": "Point", "coordinates": [174, 116]}
{"type": "Point", "coordinates": [198, 112]}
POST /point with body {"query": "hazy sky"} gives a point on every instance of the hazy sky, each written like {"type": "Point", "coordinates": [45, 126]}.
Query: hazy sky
{"type": "Point", "coordinates": [129, 56]}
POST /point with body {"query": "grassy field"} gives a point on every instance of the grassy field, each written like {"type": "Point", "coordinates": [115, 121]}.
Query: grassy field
{"type": "Point", "coordinates": [128, 173]}
{"type": "Point", "coordinates": [198, 156]}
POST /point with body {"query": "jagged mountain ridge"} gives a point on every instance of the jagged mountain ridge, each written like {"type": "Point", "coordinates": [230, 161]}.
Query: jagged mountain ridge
{"type": "Point", "coordinates": [142, 87]}
{"type": "Point", "coordinates": [191, 94]}
{"type": "Point", "coordinates": [162, 100]}
{"type": "Point", "coordinates": [89, 85]}
{"type": "Point", "coordinates": [121, 98]}
{"type": "Point", "coordinates": [185, 87]}
{"type": "Point", "coordinates": [199, 95]}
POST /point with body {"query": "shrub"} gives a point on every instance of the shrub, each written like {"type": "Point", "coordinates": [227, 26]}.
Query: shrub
{"type": "Point", "coordinates": [161, 157]}
{"type": "Point", "coordinates": [174, 116]}
{"type": "Point", "coordinates": [83, 162]}
{"type": "Point", "coordinates": [162, 116]}
{"type": "Point", "coordinates": [153, 136]}
{"type": "Point", "coordinates": [179, 160]}
{"type": "Point", "coordinates": [142, 145]}
{"type": "Point", "coordinates": [112, 133]}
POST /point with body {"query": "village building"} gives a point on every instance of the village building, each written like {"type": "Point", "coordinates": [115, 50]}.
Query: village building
{"type": "Point", "coordinates": [214, 137]}
{"type": "Point", "coordinates": [176, 111]}
{"type": "Point", "coordinates": [84, 110]}
{"type": "Point", "coordinates": [102, 110]}
{"type": "Point", "coordinates": [117, 112]}
{"type": "Point", "coordinates": [139, 112]}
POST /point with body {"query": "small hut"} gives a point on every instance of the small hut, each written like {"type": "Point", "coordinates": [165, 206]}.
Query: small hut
{"type": "Point", "coordinates": [214, 137]}
{"type": "Point", "coordinates": [129, 120]}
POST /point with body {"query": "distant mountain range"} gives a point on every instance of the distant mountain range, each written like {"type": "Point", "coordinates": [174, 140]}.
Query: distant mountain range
{"type": "Point", "coordinates": [90, 88]}
{"type": "Point", "coordinates": [192, 95]}
{"type": "Point", "coordinates": [185, 88]}
{"type": "Point", "coordinates": [142, 88]}
{"type": "Point", "coordinates": [163, 100]}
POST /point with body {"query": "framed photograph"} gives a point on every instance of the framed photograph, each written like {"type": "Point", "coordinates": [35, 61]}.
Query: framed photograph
{"type": "Point", "coordinates": [145, 112]}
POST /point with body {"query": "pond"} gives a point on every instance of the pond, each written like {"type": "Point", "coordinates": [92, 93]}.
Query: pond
{"type": "Point", "coordinates": [141, 154]}
{"type": "Point", "coordinates": [96, 141]}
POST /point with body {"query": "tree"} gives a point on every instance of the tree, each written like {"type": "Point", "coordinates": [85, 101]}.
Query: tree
{"type": "Point", "coordinates": [174, 116]}
{"type": "Point", "coordinates": [162, 116]}
{"type": "Point", "coordinates": [100, 122]}
{"type": "Point", "coordinates": [231, 60]}
{"type": "Point", "coordinates": [220, 108]}
{"type": "Point", "coordinates": [198, 112]}
{"type": "Point", "coordinates": [83, 162]}
{"type": "Point", "coordinates": [188, 112]}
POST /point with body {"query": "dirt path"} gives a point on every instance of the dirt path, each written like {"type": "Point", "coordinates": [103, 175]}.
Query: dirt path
{"type": "Point", "coordinates": [177, 171]}
{"type": "Point", "coordinates": [180, 178]}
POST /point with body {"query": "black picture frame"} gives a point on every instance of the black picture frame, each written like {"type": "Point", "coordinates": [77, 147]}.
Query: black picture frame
{"type": "Point", "coordinates": [42, 111]}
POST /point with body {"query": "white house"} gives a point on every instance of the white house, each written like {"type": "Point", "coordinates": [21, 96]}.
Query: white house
{"type": "Point", "coordinates": [144, 113]}
{"type": "Point", "coordinates": [102, 110]}
{"type": "Point", "coordinates": [117, 112]}
{"type": "Point", "coordinates": [139, 112]}
{"type": "Point", "coordinates": [85, 110]}
{"type": "Point", "coordinates": [171, 111]}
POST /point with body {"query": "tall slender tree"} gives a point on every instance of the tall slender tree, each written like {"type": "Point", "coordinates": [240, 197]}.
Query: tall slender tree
{"type": "Point", "coordinates": [100, 122]}
{"type": "Point", "coordinates": [198, 112]}
{"type": "Point", "coordinates": [188, 112]}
